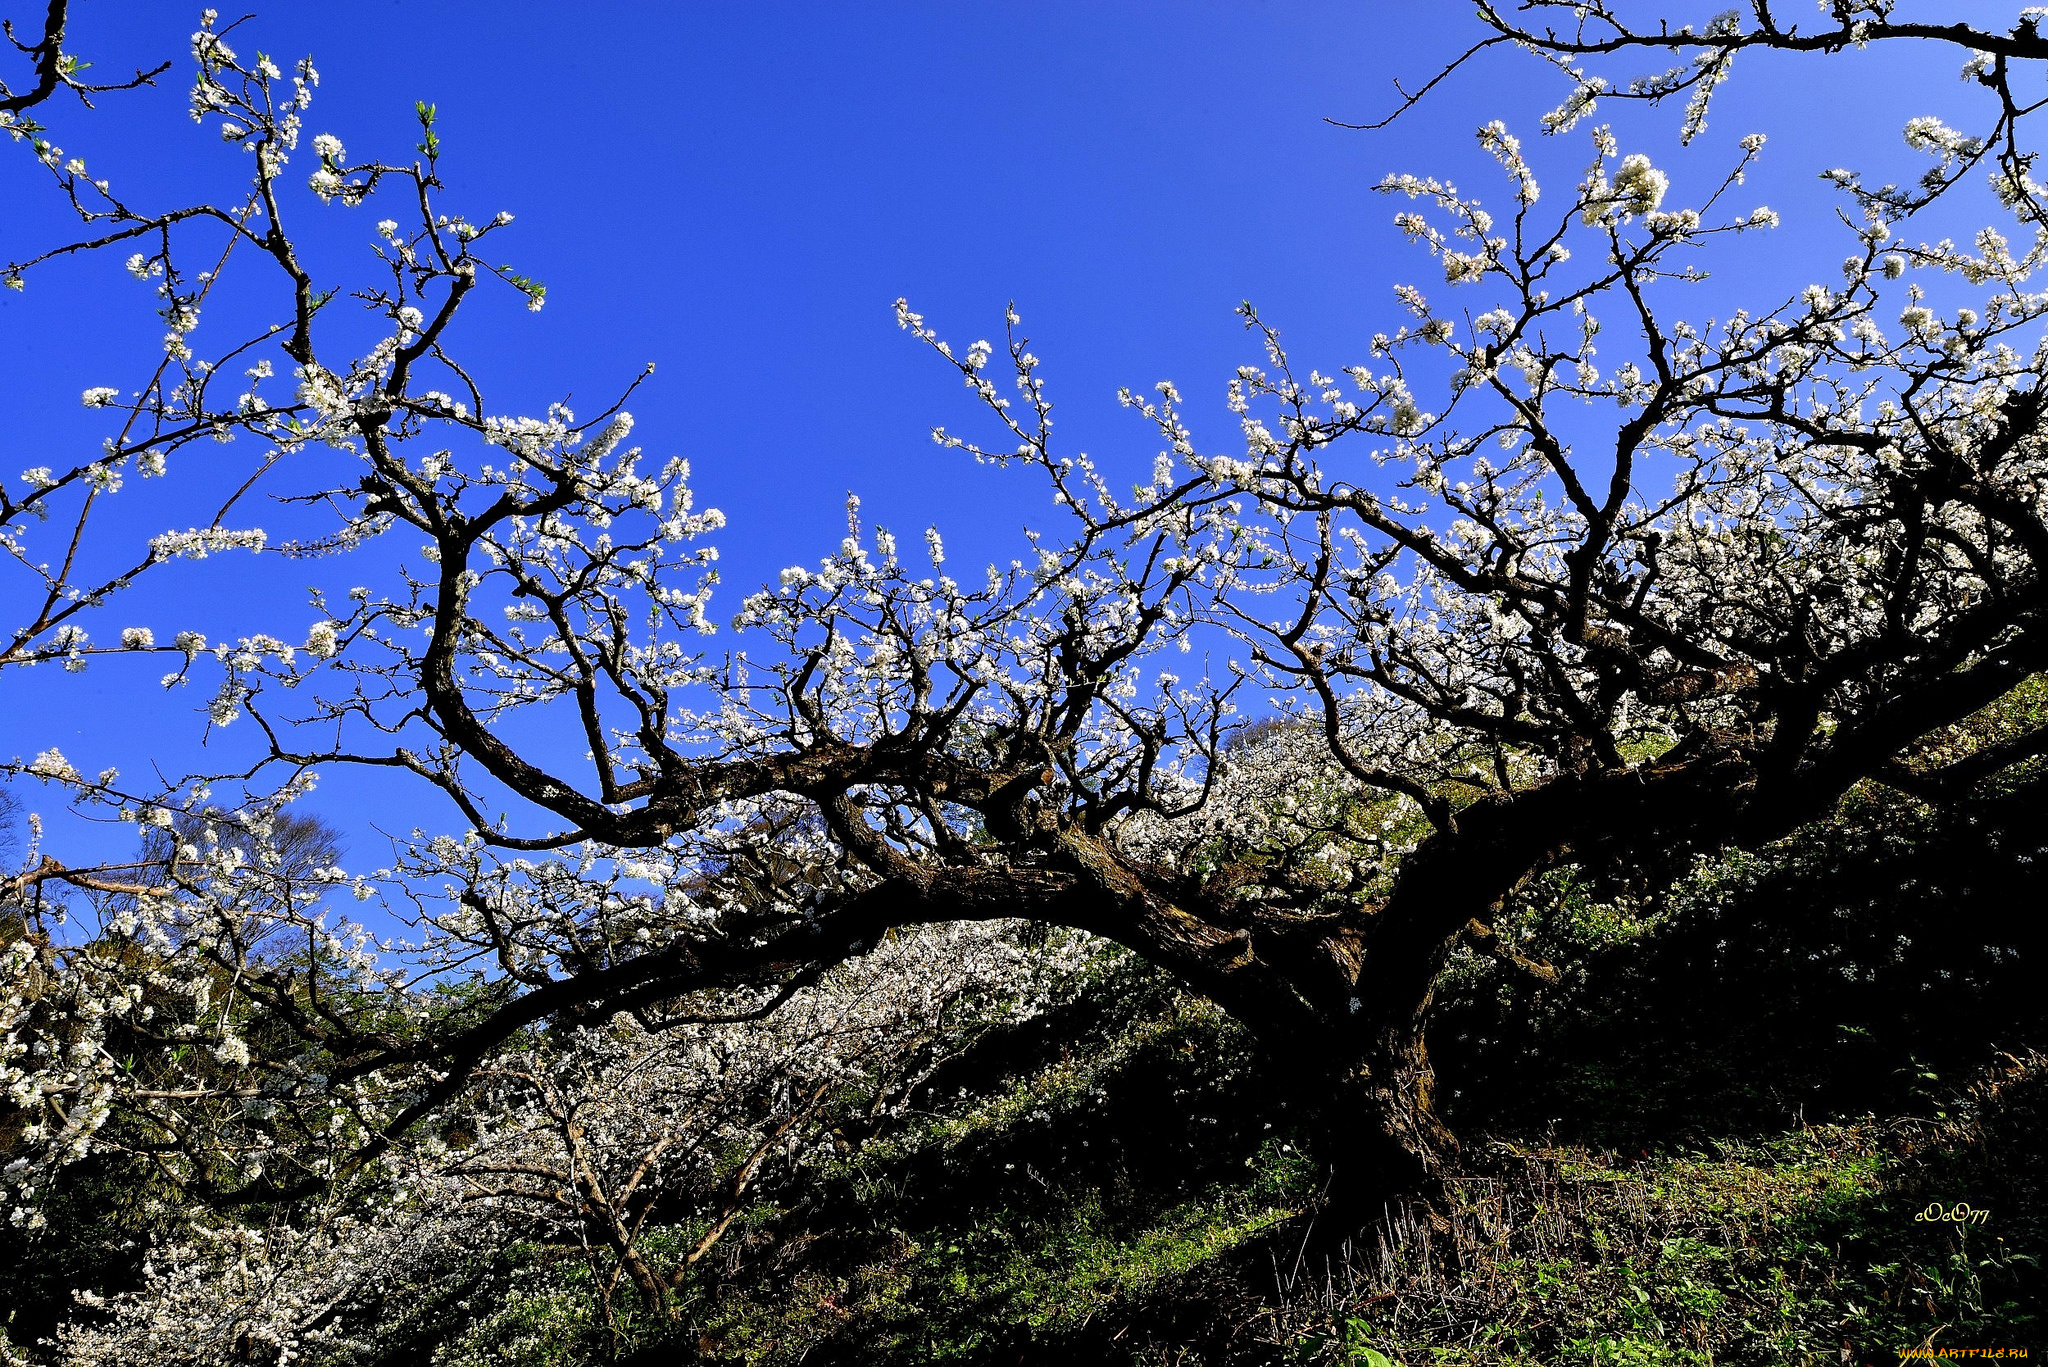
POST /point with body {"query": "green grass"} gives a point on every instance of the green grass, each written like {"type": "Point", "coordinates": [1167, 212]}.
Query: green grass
{"type": "Point", "coordinates": [1145, 1199]}
{"type": "Point", "coordinates": [1802, 1249]}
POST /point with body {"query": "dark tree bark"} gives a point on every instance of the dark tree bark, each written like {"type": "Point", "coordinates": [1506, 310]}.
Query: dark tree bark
{"type": "Point", "coordinates": [53, 69]}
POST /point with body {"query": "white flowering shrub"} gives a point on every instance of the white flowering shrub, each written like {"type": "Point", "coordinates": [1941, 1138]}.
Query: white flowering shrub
{"type": "Point", "coordinates": [281, 1293]}
{"type": "Point", "coordinates": [584, 1140]}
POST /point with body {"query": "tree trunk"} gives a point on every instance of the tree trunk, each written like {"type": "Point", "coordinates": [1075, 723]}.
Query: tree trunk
{"type": "Point", "coordinates": [653, 1291]}
{"type": "Point", "coordinates": [1381, 1135]}
{"type": "Point", "coordinates": [1384, 1139]}
{"type": "Point", "coordinates": [1383, 1143]}
{"type": "Point", "coordinates": [1341, 1007]}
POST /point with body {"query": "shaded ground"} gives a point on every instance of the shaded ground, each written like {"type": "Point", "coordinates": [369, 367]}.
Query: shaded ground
{"type": "Point", "coordinates": [1708, 1143]}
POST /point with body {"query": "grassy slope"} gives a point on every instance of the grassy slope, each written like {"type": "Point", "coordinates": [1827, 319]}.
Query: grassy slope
{"type": "Point", "coordinates": [1775, 1251]}
{"type": "Point", "coordinates": [1676, 1157]}
{"type": "Point", "coordinates": [1139, 1200]}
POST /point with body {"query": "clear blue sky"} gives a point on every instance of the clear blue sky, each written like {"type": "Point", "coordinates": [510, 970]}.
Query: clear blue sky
{"type": "Point", "coordinates": [738, 191]}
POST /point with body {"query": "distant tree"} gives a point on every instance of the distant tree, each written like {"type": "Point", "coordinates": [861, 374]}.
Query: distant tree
{"type": "Point", "coordinates": [1613, 610]}
{"type": "Point", "coordinates": [10, 822]}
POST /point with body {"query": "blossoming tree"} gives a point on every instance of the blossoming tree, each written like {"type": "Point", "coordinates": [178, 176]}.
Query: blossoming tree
{"type": "Point", "coordinates": [1577, 608]}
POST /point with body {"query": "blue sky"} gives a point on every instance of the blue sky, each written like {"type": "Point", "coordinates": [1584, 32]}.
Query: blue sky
{"type": "Point", "coordinates": [738, 192]}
